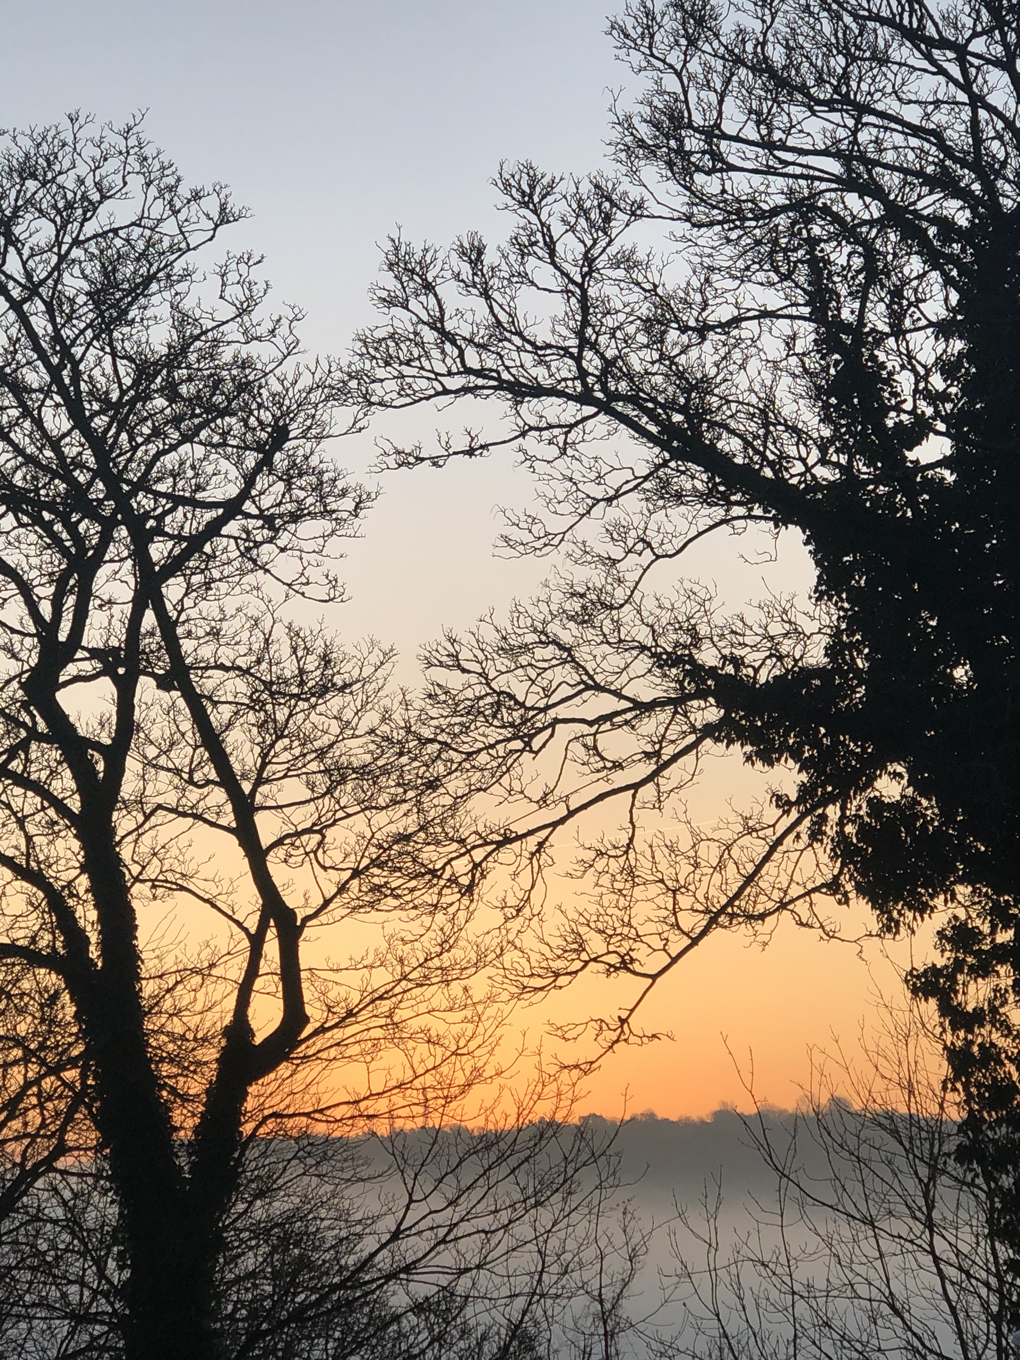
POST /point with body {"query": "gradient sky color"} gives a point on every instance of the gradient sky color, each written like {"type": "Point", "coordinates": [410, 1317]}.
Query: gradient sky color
{"type": "Point", "coordinates": [334, 120]}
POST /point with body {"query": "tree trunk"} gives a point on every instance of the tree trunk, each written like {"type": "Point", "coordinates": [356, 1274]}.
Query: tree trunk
{"type": "Point", "coordinates": [168, 1296]}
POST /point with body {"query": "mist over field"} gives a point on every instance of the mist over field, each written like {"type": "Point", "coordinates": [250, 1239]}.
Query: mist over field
{"type": "Point", "coordinates": [841, 1231]}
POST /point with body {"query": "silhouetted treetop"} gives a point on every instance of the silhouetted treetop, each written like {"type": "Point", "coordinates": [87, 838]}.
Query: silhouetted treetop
{"type": "Point", "coordinates": [179, 740]}
{"type": "Point", "coordinates": [826, 343]}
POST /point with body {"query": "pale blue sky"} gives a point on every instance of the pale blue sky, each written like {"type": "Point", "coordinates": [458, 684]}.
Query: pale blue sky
{"type": "Point", "coordinates": [334, 121]}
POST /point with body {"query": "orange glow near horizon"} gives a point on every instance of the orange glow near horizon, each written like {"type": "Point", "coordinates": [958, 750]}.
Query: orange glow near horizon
{"type": "Point", "coordinates": [748, 1024]}
{"type": "Point", "coordinates": [426, 562]}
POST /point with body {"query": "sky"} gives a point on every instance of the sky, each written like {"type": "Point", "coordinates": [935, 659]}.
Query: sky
{"type": "Point", "coordinates": [334, 121]}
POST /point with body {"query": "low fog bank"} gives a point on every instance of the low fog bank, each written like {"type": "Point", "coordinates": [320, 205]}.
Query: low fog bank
{"type": "Point", "coordinates": [662, 1160]}
{"type": "Point", "coordinates": [660, 1164]}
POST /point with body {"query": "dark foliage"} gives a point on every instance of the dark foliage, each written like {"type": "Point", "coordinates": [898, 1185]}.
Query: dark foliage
{"type": "Point", "coordinates": [873, 1242]}
{"type": "Point", "coordinates": [829, 348]}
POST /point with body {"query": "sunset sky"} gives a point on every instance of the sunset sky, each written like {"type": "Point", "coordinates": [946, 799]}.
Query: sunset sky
{"type": "Point", "coordinates": [334, 120]}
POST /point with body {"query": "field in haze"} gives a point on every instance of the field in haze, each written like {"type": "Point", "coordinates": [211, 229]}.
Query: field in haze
{"type": "Point", "coordinates": [855, 1235]}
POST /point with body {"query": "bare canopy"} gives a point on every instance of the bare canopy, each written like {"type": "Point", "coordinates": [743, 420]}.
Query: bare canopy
{"type": "Point", "coordinates": [826, 345]}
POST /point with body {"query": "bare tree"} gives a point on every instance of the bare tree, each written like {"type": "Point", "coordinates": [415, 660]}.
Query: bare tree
{"type": "Point", "coordinates": [196, 780]}
{"type": "Point", "coordinates": [489, 1245]}
{"type": "Point", "coordinates": [879, 1241]}
{"type": "Point", "coordinates": [825, 346]}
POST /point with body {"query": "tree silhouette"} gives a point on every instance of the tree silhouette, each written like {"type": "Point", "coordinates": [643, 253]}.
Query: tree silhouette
{"type": "Point", "coordinates": [195, 780]}
{"type": "Point", "coordinates": [828, 347]}
{"type": "Point", "coordinates": [876, 1241]}
{"type": "Point", "coordinates": [497, 1244]}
